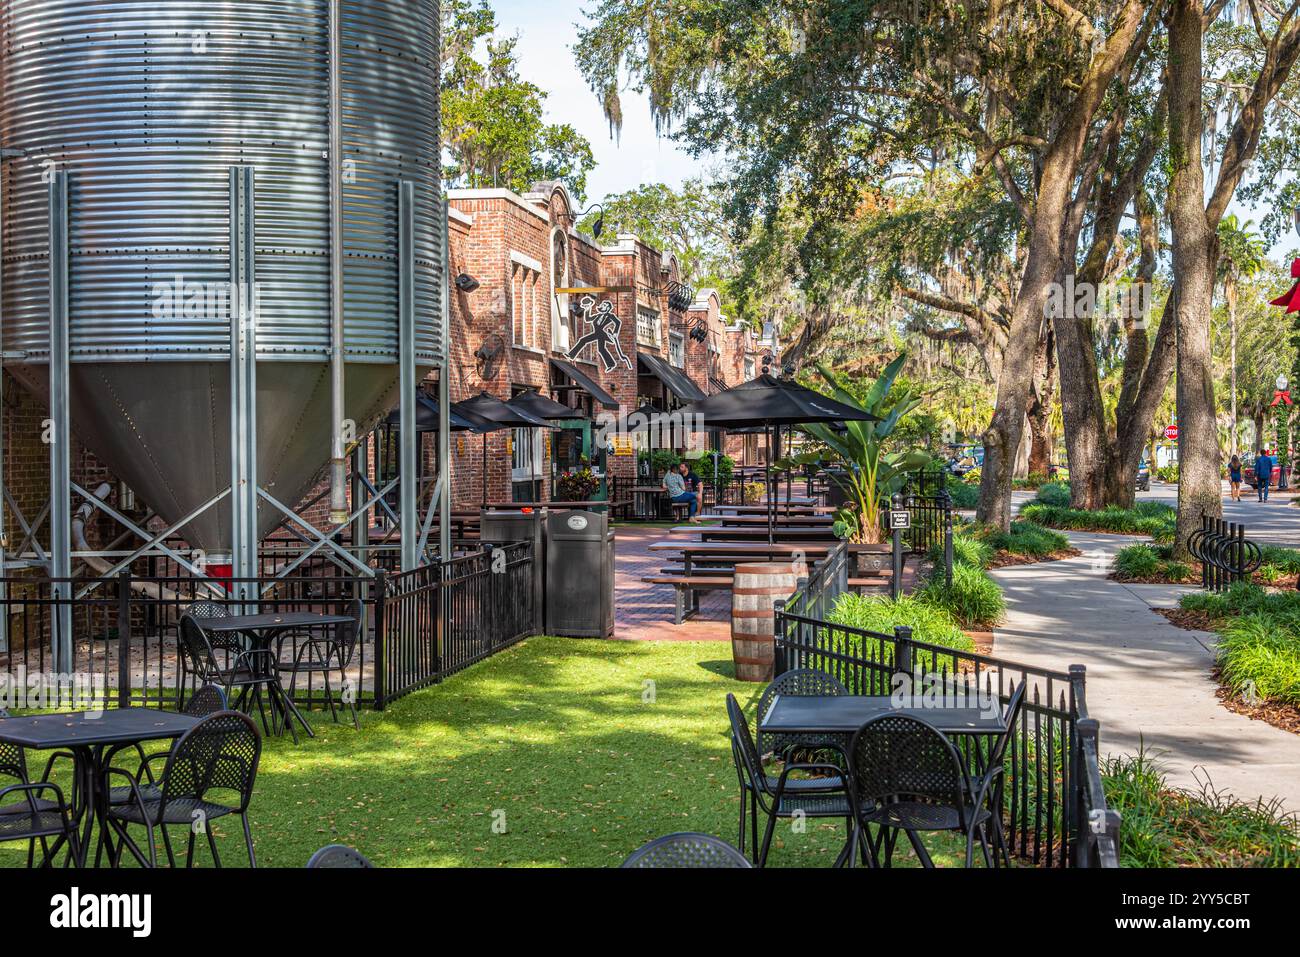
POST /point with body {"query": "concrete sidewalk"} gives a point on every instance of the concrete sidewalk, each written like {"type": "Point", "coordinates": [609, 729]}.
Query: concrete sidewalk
{"type": "Point", "coordinates": [1148, 680]}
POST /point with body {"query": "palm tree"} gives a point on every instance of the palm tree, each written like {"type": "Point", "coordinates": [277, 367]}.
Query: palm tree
{"type": "Point", "coordinates": [1241, 255]}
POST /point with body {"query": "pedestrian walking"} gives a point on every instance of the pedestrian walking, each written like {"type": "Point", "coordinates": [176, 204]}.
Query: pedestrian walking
{"type": "Point", "coordinates": [1263, 474]}
{"type": "Point", "coordinates": [1234, 478]}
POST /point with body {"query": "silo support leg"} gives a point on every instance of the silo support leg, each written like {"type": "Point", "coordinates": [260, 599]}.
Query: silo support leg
{"type": "Point", "coordinates": [59, 432]}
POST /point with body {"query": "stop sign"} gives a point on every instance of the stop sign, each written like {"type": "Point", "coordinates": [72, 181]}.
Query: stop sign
{"type": "Point", "coordinates": [1171, 431]}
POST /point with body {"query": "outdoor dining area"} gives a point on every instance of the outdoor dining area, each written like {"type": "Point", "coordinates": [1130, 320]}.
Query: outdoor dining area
{"type": "Point", "coordinates": [891, 767]}
{"type": "Point", "coordinates": [130, 773]}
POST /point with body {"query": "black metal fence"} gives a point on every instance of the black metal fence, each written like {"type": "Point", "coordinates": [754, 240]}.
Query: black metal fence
{"type": "Point", "coordinates": [1225, 553]}
{"type": "Point", "coordinates": [828, 579]}
{"type": "Point", "coordinates": [124, 632]}
{"type": "Point", "coordinates": [438, 619]}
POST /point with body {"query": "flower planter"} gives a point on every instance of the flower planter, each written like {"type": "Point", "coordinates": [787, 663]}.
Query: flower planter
{"type": "Point", "coordinates": [872, 560]}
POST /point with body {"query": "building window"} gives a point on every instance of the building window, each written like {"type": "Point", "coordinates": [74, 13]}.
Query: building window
{"type": "Point", "coordinates": [525, 454]}
{"type": "Point", "coordinates": [677, 349]}
{"type": "Point", "coordinates": [647, 327]}
{"type": "Point", "coordinates": [525, 279]}
{"type": "Point", "coordinates": [749, 368]}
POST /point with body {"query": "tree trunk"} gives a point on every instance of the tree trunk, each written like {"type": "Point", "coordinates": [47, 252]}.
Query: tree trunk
{"type": "Point", "coordinates": [1040, 408]}
{"type": "Point", "coordinates": [1194, 256]}
{"type": "Point", "coordinates": [1230, 293]}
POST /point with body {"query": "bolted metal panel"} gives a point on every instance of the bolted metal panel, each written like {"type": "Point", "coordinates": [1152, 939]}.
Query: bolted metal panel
{"type": "Point", "coordinates": [148, 104]}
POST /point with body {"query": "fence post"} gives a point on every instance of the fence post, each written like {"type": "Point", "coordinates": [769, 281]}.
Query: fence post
{"type": "Point", "coordinates": [896, 578]}
{"type": "Point", "coordinates": [903, 650]}
{"type": "Point", "coordinates": [1085, 842]}
{"type": "Point", "coordinates": [779, 664]}
{"type": "Point", "coordinates": [945, 502]}
{"type": "Point", "coordinates": [381, 656]}
{"type": "Point", "coordinates": [1078, 780]}
{"type": "Point", "coordinates": [124, 640]}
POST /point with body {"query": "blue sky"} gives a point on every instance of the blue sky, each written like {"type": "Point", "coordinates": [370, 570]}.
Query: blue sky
{"type": "Point", "coordinates": [546, 30]}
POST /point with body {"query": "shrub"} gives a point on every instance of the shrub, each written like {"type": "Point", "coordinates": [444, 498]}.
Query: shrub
{"type": "Point", "coordinates": [1029, 539]}
{"type": "Point", "coordinates": [1177, 572]}
{"type": "Point", "coordinates": [1136, 561]}
{"type": "Point", "coordinates": [1148, 518]}
{"type": "Point", "coordinates": [1270, 574]}
{"type": "Point", "coordinates": [973, 476]}
{"type": "Point", "coordinates": [966, 550]}
{"type": "Point", "coordinates": [1285, 560]}
{"type": "Point", "coordinates": [879, 613]}
{"type": "Point", "coordinates": [1054, 493]}
{"type": "Point", "coordinates": [1261, 651]}
{"type": "Point", "coordinates": [1167, 827]}
{"type": "Point", "coordinates": [963, 495]}
{"type": "Point", "coordinates": [973, 599]}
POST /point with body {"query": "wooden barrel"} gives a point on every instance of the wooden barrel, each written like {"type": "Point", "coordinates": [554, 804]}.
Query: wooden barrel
{"type": "Point", "coordinates": [754, 592]}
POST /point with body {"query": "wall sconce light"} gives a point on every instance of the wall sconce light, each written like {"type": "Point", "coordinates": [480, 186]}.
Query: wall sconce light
{"type": "Point", "coordinates": [466, 283]}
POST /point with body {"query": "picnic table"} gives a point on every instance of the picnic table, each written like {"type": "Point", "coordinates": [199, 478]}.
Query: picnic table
{"type": "Point", "coordinates": [743, 533]}
{"type": "Point", "coordinates": [721, 557]}
{"type": "Point", "coordinates": [779, 508]}
{"type": "Point", "coordinates": [797, 518]}
{"type": "Point", "coordinates": [91, 736]}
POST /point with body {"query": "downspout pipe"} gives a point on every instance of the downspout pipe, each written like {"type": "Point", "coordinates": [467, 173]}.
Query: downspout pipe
{"type": "Point", "coordinates": [99, 565]}
{"type": "Point", "coordinates": [338, 450]}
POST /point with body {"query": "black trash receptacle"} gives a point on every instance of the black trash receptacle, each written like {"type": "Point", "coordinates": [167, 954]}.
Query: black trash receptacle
{"type": "Point", "coordinates": [521, 526]}
{"type": "Point", "coordinates": [579, 574]}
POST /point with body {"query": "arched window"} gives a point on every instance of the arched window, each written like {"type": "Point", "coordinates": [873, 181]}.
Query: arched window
{"type": "Point", "coordinates": [559, 280]}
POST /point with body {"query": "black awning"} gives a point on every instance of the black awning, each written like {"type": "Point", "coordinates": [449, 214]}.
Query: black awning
{"type": "Point", "coordinates": [586, 383]}
{"type": "Point", "coordinates": [677, 381]}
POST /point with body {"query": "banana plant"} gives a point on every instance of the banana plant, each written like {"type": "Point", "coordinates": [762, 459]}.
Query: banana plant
{"type": "Point", "coordinates": [871, 475]}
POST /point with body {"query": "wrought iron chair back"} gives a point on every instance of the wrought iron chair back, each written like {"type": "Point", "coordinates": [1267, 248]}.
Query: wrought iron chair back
{"type": "Point", "coordinates": [896, 757]}
{"type": "Point", "coordinates": [220, 753]}
{"type": "Point", "coordinates": [798, 682]}
{"type": "Point", "coordinates": [339, 855]}
{"type": "Point", "coordinates": [686, 849]}
{"type": "Point", "coordinates": [209, 699]}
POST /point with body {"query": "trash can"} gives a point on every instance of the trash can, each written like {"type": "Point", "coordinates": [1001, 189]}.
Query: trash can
{"type": "Point", "coordinates": [521, 526]}
{"type": "Point", "coordinates": [579, 574]}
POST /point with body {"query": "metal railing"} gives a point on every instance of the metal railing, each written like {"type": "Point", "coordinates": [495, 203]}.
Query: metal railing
{"type": "Point", "coordinates": [1225, 553]}
{"type": "Point", "coordinates": [125, 630]}
{"type": "Point", "coordinates": [1097, 840]}
{"type": "Point", "coordinates": [1051, 790]}
{"type": "Point", "coordinates": [435, 620]}
{"type": "Point", "coordinates": [815, 595]}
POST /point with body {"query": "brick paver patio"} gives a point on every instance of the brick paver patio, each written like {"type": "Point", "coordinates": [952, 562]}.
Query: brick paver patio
{"type": "Point", "coordinates": [644, 612]}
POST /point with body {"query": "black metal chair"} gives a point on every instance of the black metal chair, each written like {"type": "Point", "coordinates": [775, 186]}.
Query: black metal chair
{"type": "Point", "coordinates": [219, 754]}
{"type": "Point", "coordinates": [799, 682]}
{"type": "Point", "coordinates": [247, 670]}
{"type": "Point", "coordinates": [785, 796]}
{"type": "Point", "coordinates": [198, 609]}
{"type": "Point", "coordinates": [989, 786]}
{"type": "Point", "coordinates": [325, 654]}
{"type": "Point", "coordinates": [33, 818]}
{"type": "Point", "coordinates": [338, 855]}
{"type": "Point", "coordinates": [908, 777]}
{"type": "Point", "coordinates": [686, 849]}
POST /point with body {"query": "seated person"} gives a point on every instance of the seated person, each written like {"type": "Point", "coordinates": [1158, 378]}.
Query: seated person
{"type": "Point", "coordinates": [676, 486]}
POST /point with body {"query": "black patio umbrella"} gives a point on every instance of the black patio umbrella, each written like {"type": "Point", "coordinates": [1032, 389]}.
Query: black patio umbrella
{"type": "Point", "coordinates": [426, 417]}
{"type": "Point", "coordinates": [536, 404]}
{"type": "Point", "coordinates": [770, 402]}
{"type": "Point", "coordinates": [497, 415]}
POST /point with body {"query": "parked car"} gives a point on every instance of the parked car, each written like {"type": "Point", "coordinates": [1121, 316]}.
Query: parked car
{"type": "Point", "coordinates": [1144, 477]}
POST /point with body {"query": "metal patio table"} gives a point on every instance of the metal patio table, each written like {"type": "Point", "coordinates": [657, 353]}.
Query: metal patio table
{"type": "Point", "coordinates": [88, 735]}
{"type": "Point", "coordinates": [844, 714]}
{"type": "Point", "coordinates": [261, 630]}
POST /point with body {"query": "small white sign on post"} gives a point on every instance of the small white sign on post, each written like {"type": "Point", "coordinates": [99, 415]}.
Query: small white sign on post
{"type": "Point", "coordinates": [900, 519]}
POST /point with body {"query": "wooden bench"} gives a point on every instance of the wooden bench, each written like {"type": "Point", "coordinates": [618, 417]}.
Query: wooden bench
{"type": "Point", "coordinates": [686, 589]}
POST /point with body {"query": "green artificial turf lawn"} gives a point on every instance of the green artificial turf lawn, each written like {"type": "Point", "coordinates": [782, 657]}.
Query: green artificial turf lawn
{"type": "Point", "coordinates": [584, 749]}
